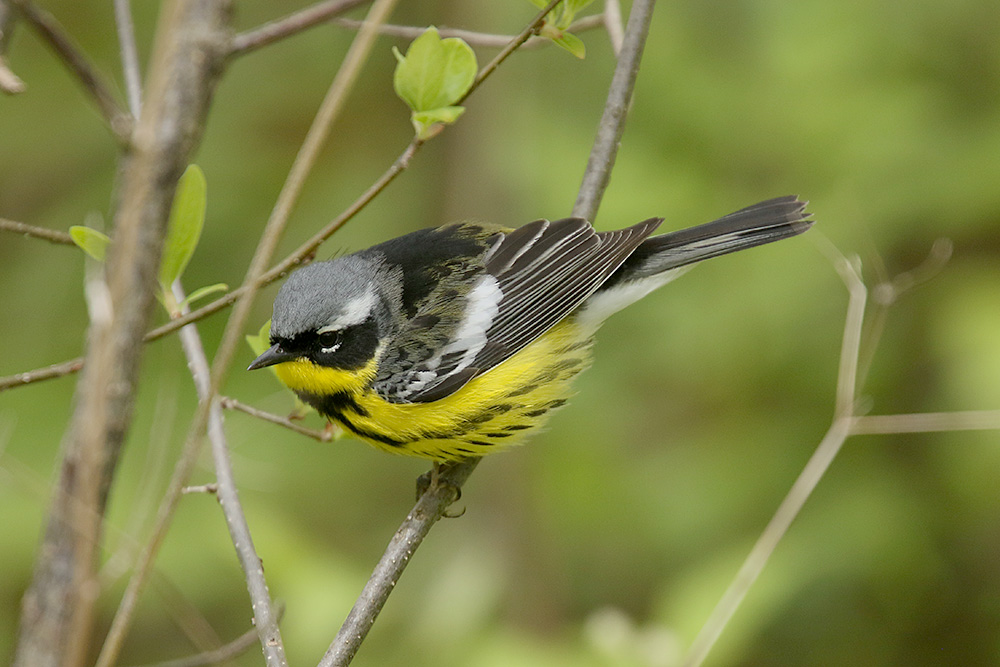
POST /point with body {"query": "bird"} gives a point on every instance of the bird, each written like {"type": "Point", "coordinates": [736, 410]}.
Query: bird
{"type": "Point", "coordinates": [454, 342]}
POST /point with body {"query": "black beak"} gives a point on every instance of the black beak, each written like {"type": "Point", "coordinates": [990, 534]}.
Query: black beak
{"type": "Point", "coordinates": [272, 355]}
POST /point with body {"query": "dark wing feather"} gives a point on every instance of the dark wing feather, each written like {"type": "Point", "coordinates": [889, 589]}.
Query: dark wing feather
{"type": "Point", "coordinates": [542, 288]}
{"type": "Point", "coordinates": [542, 271]}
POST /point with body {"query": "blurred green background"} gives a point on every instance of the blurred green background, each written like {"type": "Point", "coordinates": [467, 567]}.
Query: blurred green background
{"type": "Point", "coordinates": [608, 539]}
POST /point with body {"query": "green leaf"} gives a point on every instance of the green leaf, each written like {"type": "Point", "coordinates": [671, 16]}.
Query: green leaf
{"type": "Point", "coordinates": [571, 43]}
{"type": "Point", "coordinates": [187, 216]}
{"type": "Point", "coordinates": [91, 241]}
{"type": "Point", "coordinates": [435, 72]}
{"type": "Point", "coordinates": [429, 123]}
{"type": "Point", "coordinates": [202, 292]}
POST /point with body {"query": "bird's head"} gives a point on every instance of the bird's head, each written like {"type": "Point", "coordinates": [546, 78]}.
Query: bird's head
{"type": "Point", "coordinates": [332, 314]}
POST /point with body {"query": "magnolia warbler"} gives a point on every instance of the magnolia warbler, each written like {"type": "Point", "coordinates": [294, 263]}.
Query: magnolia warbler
{"type": "Point", "coordinates": [457, 341]}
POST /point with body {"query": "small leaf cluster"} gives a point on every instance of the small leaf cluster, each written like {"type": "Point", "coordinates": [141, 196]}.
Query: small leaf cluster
{"type": "Point", "coordinates": [558, 22]}
{"type": "Point", "coordinates": [432, 77]}
{"type": "Point", "coordinates": [187, 217]}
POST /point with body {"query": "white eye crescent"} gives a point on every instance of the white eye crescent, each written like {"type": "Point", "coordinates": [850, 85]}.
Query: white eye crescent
{"type": "Point", "coordinates": [330, 341]}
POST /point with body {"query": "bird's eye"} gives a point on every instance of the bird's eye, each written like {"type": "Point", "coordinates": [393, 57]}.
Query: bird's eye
{"type": "Point", "coordinates": [330, 340]}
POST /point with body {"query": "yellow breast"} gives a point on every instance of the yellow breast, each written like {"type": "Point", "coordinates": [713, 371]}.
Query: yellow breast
{"type": "Point", "coordinates": [491, 412]}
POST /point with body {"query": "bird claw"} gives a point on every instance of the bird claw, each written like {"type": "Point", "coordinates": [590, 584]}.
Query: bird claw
{"type": "Point", "coordinates": [434, 479]}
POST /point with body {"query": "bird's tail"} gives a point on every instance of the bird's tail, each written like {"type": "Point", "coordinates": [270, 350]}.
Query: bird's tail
{"type": "Point", "coordinates": [660, 259]}
{"type": "Point", "coordinates": [755, 225]}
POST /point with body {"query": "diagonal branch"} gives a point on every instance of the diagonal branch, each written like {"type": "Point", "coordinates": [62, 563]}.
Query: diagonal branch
{"type": "Point", "coordinates": [265, 617]}
{"type": "Point", "coordinates": [130, 55]}
{"type": "Point", "coordinates": [290, 25]}
{"type": "Point", "coordinates": [609, 132]}
{"type": "Point", "coordinates": [93, 83]}
{"type": "Point", "coordinates": [233, 404]}
{"type": "Point", "coordinates": [472, 37]}
{"type": "Point", "coordinates": [807, 480]}
{"type": "Point", "coordinates": [51, 235]}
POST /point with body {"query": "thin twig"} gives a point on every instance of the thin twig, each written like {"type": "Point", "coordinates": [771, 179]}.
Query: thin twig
{"type": "Point", "coordinates": [59, 370]}
{"type": "Point", "coordinates": [93, 83]}
{"type": "Point", "coordinates": [609, 132]}
{"type": "Point", "coordinates": [290, 25]}
{"type": "Point", "coordinates": [472, 37]}
{"type": "Point", "coordinates": [927, 422]}
{"type": "Point", "coordinates": [233, 404]}
{"type": "Point", "coordinates": [807, 480]}
{"type": "Point", "coordinates": [44, 233]}
{"type": "Point", "coordinates": [265, 622]}
{"type": "Point", "coordinates": [210, 489]}
{"type": "Point", "coordinates": [428, 509]}
{"type": "Point", "coordinates": [847, 376]}
{"type": "Point", "coordinates": [885, 293]}
{"type": "Point", "coordinates": [130, 55]}
{"type": "Point", "coordinates": [532, 29]}
{"type": "Point", "coordinates": [265, 618]}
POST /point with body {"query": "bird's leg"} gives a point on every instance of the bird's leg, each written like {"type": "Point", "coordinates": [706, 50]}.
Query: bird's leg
{"type": "Point", "coordinates": [433, 479]}
{"type": "Point", "coordinates": [427, 480]}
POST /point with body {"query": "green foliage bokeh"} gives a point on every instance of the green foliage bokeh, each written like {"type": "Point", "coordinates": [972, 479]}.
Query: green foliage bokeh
{"type": "Point", "coordinates": [608, 539]}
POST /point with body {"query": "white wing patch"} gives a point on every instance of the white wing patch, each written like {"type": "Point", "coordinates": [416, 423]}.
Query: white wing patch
{"type": "Point", "coordinates": [470, 337]}
{"type": "Point", "coordinates": [483, 304]}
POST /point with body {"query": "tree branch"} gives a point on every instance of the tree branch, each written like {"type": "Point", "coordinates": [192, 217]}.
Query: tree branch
{"type": "Point", "coordinates": [927, 422]}
{"type": "Point", "coordinates": [429, 508]}
{"type": "Point", "coordinates": [612, 21]}
{"type": "Point", "coordinates": [221, 654]}
{"type": "Point", "coordinates": [265, 618]}
{"type": "Point", "coordinates": [472, 37]}
{"type": "Point", "coordinates": [807, 480]}
{"type": "Point", "coordinates": [93, 84]}
{"type": "Point", "coordinates": [51, 235]}
{"type": "Point", "coordinates": [130, 55]}
{"type": "Point", "coordinates": [532, 29]}
{"type": "Point", "coordinates": [232, 404]}
{"type": "Point", "coordinates": [290, 25]}
{"type": "Point", "coordinates": [609, 132]}
{"type": "Point", "coordinates": [61, 369]}
{"type": "Point", "coordinates": [58, 607]}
